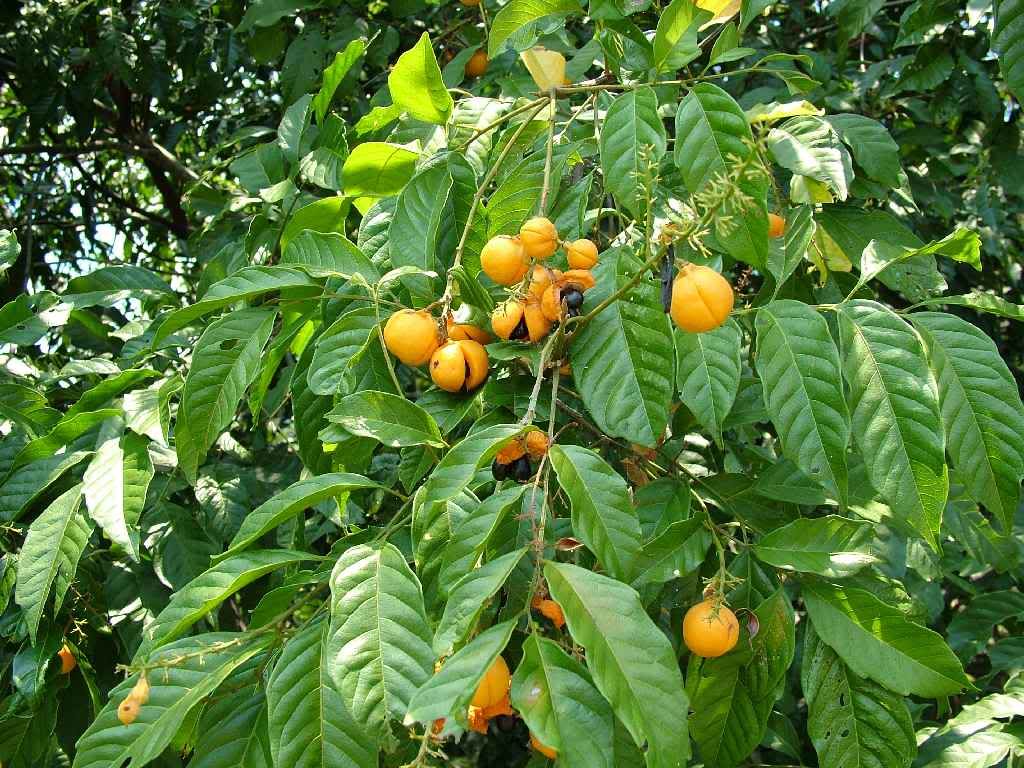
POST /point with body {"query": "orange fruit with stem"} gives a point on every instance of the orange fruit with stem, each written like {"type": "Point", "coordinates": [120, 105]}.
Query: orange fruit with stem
{"type": "Point", "coordinates": [701, 299]}
{"type": "Point", "coordinates": [411, 336]}
{"type": "Point", "coordinates": [710, 628]}
{"type": "Point", "coordinates": [539, 236]}
{"type": "Point", "coordinates": [581, 254]}
{"type": "Point", "coordinates": [459, 366]}
{"type": "Point", "coordinates": [504, 260]}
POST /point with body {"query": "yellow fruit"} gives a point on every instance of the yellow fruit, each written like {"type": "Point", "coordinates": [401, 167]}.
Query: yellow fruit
{"type": "Point", "coordinates": [140, 691]}
{"type": "Point", "coordinates": [701, 299]}
{"type": "Point", "coordinates": [128, 710]}
{"type": "Point", "coordinates": [67, 660]}
{"type": "Point", "coordinates": [477, 64]}
{"type": "Point", "coordinates": [466, 332]}
{"type": "Point", "coordinates": [459, 366]}
{"type": "Point", "coordinates": [582, 254]}
{"type": "Point", "coordinates": [411, 336]}
{"type": "Point", "coordinates": [506, 317]}
{"type": "Point", "coordinates": [710, 629]}
{"type": "Point", "coordinates": [540, 238]}
{"type": "Point", "coordinates": [544, 749]}
{"type": "Point", "coordinates": [504, 260]}
{"type": "Point", "coordinates": [494, 686]}
{"type": "Point", "coordinates": [537, 324]}
{"type": "Point", "coordinates": [776, 225]}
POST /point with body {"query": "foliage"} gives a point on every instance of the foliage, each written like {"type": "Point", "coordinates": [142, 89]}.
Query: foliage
{"type": "Point", "coordinates": [215, 477]}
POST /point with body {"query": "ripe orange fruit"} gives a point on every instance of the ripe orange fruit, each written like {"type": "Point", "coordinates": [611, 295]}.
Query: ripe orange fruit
{"type": "Point", "coordinates": [504, 260]}
{"type": "Point", "coordinates": [459, 366]}
{"type": "Point", "coordinates": [506, 319]}
{"type": "Point", "coordinates": [541, 278]}
{"type": "Point", "coordinates": [550, 609]}
{"type": "Point", "coordinates": [536, 444]}
{"type": "Point", "coordinates": [477, 63]}
{"type": "Point", "coordinates": [710, 629]}
{"type": "Point", "coordinates": [582, 254]}
{"type": "Point", "coordinates": [67, 660]}
{"type": "Point", "coordinates": [466, 332]}
{"type": "Point", "coordinates": [544, 749]}
{"type": "Point", "coordinates": [776, 225]}
{"type": "Point", "coordinates": [701, 299]}
{"type": "Point", "coordinates": [539, 236]}
{"type": "Point", "coordinates": [411, 336]}
{"type": "Point", "coordinates": [537, 324]}
{"type": "Point", "coordinates": [494, 686]}
{"type": "Point", "coordinates": [510, 452]}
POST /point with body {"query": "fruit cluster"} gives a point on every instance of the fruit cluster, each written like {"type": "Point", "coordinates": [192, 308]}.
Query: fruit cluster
{"type": "Point", "coordinates": [550, 294]}
{"type": "Point", "coordinates": [513, 459]}
{"type": "Point", "coordinates": [457, 364]}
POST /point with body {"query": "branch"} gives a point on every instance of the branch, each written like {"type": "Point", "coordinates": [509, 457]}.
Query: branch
{"type": "Point", "coordinates": [35, 149]}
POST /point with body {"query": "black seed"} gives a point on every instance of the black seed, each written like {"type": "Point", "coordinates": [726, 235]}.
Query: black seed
{"type": "Point", "coordinates": [572, 313]}
{"type": "Point", "coordinates": [520, 331]}
{"type": "Point", "coordinates": [573, 299]}
{"type": "Point", "coordinates": [499, 470]}
{"type": "Point", "coordinates": [521, 469]}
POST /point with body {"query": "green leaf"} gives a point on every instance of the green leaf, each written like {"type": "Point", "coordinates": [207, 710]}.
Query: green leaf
{"type": "Point", "coordinates": [873, 148]}
{"type": "Point", "coordinates": [10, 248]}
{"type": "Point", "coordinates": [708, 374]}
{"type": "Point", "coordinates": [623, 359]}
{"type": "Point", "coordinates": [49, 557]}
{"type": "Point", "coordinates": [416, 85]}
{"type": "Point", "coordinates": [208, 590]}
{"type": "Point", "coordinates": [433, 527]}
{"type": "Point", "coordinates": [467, 599]}
{"type": "Point", "coordinates": [632, 662]}
{"type": "Point", "coordinates": [799, 367]}
{"type": "Point", "coordinates": [810, 146]}
{"type": "Point", "coordinates": [675, 552]}
{"type": "Point", "coordinates": [225, 361]}
{"type": "Point", "coordinates": [29, 483]}
{"type": "Point", "coordinates": [309, 724]}
{"type": "Point", "coordinates": [448, 692]}
{"type": "Point", "coordinates": [981, 410]}
{"type": "Point", "coordinates": [456, 469]}
{"type": "Point", "coordinates": [291, 501]}
{"type": "Point", "coordinates": [853, 722]}
{"type": "Point", "coordinates": [378, 646]}
{"type": "Point", "coordinates": [188, 672]}
{"type": "Point", "coordinates": [326, 216]}
{"type": "Point", "coordinates": [334, 74]}
{"type": "Point", "coordinates": [895, 413]}
{"type": "Point", "coordinates": [675, 40]}
{"type": "Point", "coordinates": [470, 539]}
{"type": "Point", "coordinates": [517, 196]}
{"type": "Point", "coordinates": [64, 432]}
{"type": "Point", "coordinates": [418, 227]}
{"type": "Point", "coordinates": [979, 301]}
{"type": "Point", "coordinates": [1008, 41]}
{"type": "Point", "coordinates": [519, 13]}
{"type": "Point", "coordinates": [387, 418]}
{"type": "Point", "coordinates": [785, 257]}
{"type": "Point", "coordinates": [829, 546]}
{"type": "Point", "coordinates": [377, 169]}
{"type": "Point", "coordinates": [879, 642]}
{"type": "Point", "coordinates": [233, 731]}
{"type": "Point", "coordinates": [602, 513]}
{"type": "Point", "coordinates": [556, 697]}
{"type": "Point", "coordinates": [293, 125]}
{"type": "Point", "coordinates": [327, 254]}
{"type": "Point", "coordinates": [115, 485]}
{"type": "Point", "coordinates": [962, 245]}
{"type": "Point", "coordinates": [331, 368]}
{"type": "Point", "coordinates": [308, 412]}
{"type": "Point", "coordinates": [978, 750]}
{"type": "Point", "coordinates": [971, 629]}
{"type": "Point", "coordinates": [632, 143]}
{"type": "Point", "coordinates": [712, 134]}
{"type": "Point", "coordinates": [246, 283]}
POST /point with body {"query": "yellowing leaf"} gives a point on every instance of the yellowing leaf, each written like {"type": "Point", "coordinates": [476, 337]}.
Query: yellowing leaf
{"type": "Point", "coordinates": [547, 68]}
{"type": "Point", "coordinates": [774, 111]}
{"type": "Point", "coordinates": [723, 10]}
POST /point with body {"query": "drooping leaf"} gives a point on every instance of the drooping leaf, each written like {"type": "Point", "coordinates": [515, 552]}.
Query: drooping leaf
{"type": "Point", "coordinates": [895, 413]}
{"type": "Point", "coordinates": [602, 514]}
{"type": "Point", "coordinates": [810, 146]}
{"type": "Point", "coordinates": [115, 485]}
{"type": "Point", "coordinates": [803, 391]}
{"type": "Point", "coordinates": [878, 641]}
{"type": "Point", "coordinates": [378, 645]}
{"type": "Point", "coordinates": [981, 410]}
{"type": "Point", "coordinates": [631, 661]}
{"type": "Point", "coordinates": [49, 557]}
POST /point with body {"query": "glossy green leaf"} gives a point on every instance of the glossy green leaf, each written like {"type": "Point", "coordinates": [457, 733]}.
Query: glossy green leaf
{"type": "Point", "coordinates": [675, 552]}
{"type": "Point", "coordinates": [895, 413]}
{"type": "Point", "coordinates": [632, 662]}
{"type": "Point", "coordinates": [416, 86]}
{"type": "Point", "coordinates": [377, 169]}
{"type": "Point", "coordinates": [829, 546]}
{"type": "Point", "coordinates": [708, 374]}
{"type": "Point", "coordinates": [519, 13]}
{"type": "Point", "coordinates": [632, 142]}
{"type": "Point", "coordinates": [327, 254]}
{"type": "Point", "coordinates": [418, 227]}
{"type": "Point", "coordinates": [458, 466]}
{"type": "Point", "coordinates": [803, 391]}
{"type": "Point", "coordinates": [390, 419]}
{"type": "Point", "coordinates": [26, 485]}
{"type": "Point", "coordinates": [879, 642]}
{"type": "Point", "coordinates": [378, 645]}
{"type": "Point", "coordinates": [115, 485]}
{"type": "Point", "coordinates": [603, 516]}
{"type": "Point", "coordinates": [330, 370]}
{"type": "Point", "coordinates": [713, 134]}
{"type": "Point", "coordinates": [334, 74]}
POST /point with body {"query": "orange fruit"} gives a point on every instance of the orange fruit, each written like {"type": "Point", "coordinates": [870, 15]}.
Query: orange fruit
{"type": "Point", "coordinates": [504, 260]}
{"type": "Point", "coordinates": [537, 324]}
{"type": "Point", "coordinates": [536, 444]}
{"type": "Point", "coordinates": [67, 660]}
{"type": "Point", "coordinates": [494, 686]}
{"type": "Point", "coordinates": [701, 299]}
{"type": "Point", "coordinates": [544, 749]}
{"type": "Point", "coordinates": [506, 317]}
{"type": "Point", "coordinates": [510, 451]}
{"type": "Point", "coordinates": [710, 629]}
{"type": "Point", "coordinates": [550, 609]}
{"type": "Point", "coordinates": [582, 254]}
{"type": "Point", "coordinates": [459, 366]}
{"type": "Point", "coordinates": [776, 225]}
{"type": "Point", "coordinates": [411, 336]}
{"type": "Point", "coordinates": [581, 279]}
{"type": "Point", "coordinates": [466, 332]}
{"type": "Point", "coordinates": [541, 278]}
{"type": "Point", "coordinates": [539, 236]}
{"type": "Point", "coordinates": [128, 710]}
{"type": "Point", "coordinates": [477, 63]}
